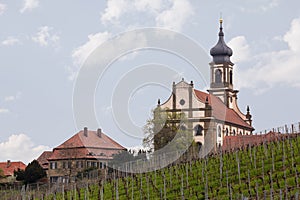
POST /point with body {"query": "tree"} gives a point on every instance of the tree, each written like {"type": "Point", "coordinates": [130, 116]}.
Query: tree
{"type": "Point", "coordinates": [164, 127]}
{"type": "Point", "coordinates": [33, 172]}
{"type": "Point", "coordinates": [1, 174]}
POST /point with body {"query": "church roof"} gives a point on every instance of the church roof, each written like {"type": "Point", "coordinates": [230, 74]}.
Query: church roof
{"type": "Point", "coordinates": [220, 111]}
{"type": "Point", "coordinates": [87, 146]}
{"type": "Point", "coordinates": [221, 52]}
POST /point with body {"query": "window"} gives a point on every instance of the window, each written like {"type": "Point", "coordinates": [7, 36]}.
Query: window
{"type": "Point", "coordinates": [218, 76]}
{"type": "Point", "coordinates": [230, 77]}
{"type": "Point", "coordinates": [182, 102]}
{"type": "Point", "coordinates": [198, 130]}
{"type": "Point", "coordinates": [219, 131]}
{"type": "Point", "coordinates": [226, 132]}
{"type": "Point", "coordinates": [182, 127]}
{"type": "Point", "coordinates": [100, 165]}
{"type": "Point", "coordinates": [234, 133]}
{"type": "Point", "coordinates": [199, 146]}
{"type": "Point", "coordinates": [79, 164]}
{"type": "Point", "coordinates": [53, 165]}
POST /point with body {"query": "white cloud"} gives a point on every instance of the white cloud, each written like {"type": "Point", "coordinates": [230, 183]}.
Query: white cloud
{"type": "Point", "coordinates": [29, 5]}
{"type": "Point", "coordinates": [44, 37]}
{"type": "Point", "coordinates": [13, 98]}
{"type": "Point", "coordinates": [113, 11]}
{"type": "Point", "coordinates": [3, 110]}
{"type": "Point", "coordinates": [10, 41]}
{"type": "Point", "coordinates": [277, 67]}
{"type": "Point", "coordinates": [241, 49]}
{"type": "Point", "coordinates": [171, 14]}
{"type": "Point", "coordinates": [254, 6]}
{"type": "Point", "coordinates": [20, 147]}
{"type": "Point", "coordinates": [176, 16]}
{"type": "Point", "coordinates": [2, 8]}
{"type": "Point", "coordinates": [80, 54]}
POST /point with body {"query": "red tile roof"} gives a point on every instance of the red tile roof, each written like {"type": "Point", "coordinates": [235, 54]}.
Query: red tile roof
{"type": "Point", "coordinates": [86, 147]}
{"type": "Point", "coordinates": [238, 141]}
{"type": "Point", "coordinates": [43, 159]}
{"type": "Point", "coordinates": [220, 111]}
{"type": "Point", "coordinates": [9, 167]}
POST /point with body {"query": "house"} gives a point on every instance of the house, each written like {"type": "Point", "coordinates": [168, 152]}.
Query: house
{"type": "Point", "coordinates": [43, 160]}
{"type": "Point", "coordinates": [8, 169]}
{"type": "Point", "coordinates": [211, 115]}
{"type": "Point", "coordinates": [86, 149]}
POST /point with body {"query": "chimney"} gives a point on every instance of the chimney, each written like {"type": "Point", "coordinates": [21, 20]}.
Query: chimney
{"type": "Point", "coordinates": [99, 132]}
{"type": "Point", "coordinates": [8, 163]}
{"type": "Point", "coordinates": [85, 131]}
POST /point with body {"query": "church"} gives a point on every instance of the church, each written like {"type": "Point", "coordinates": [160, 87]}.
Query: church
{"type": "Point", "coordinates": [214, 114]}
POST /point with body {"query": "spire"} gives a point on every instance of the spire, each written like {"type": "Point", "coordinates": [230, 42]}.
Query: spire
{"type": "Point", "coordinates": [221, 52]}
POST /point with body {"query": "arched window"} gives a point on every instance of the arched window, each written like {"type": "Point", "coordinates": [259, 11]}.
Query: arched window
{"type": "Point", "coordinates": [182, 127]}
{"type": "Point", "coordinates": [226, 132]}
{"type": "Point", "coordinates": [219, 131]}
{"type": "Point", "coordinates": [199, 146]}
{"type": "Point", "coordinates": [218, 76]}
{"type": "Point", "coordinates": [198, 130]}
{"type": "Point", "coordinates": [241, 133]}
{"type": "Point", "coordinates": [234, 133]}
{"type": "Point", "coordinates": [230, 77]}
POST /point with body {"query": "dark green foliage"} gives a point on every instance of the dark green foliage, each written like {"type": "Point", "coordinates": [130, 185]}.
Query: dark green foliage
{"type": "Point", "coordinates": [33, 172]}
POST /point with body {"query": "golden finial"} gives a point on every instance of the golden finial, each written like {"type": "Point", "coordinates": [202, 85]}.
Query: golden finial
{"type": "Point", "coordinates": [221, 19]}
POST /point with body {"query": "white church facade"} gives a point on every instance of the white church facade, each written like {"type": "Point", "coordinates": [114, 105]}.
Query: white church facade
{"type": "Point", "coordinates": [214, 114]}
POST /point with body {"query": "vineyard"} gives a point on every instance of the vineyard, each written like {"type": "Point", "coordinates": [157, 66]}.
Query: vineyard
{"type": "Point", "coordinates": [266, 171]}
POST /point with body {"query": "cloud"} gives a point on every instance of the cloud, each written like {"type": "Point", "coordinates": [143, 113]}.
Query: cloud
{"type": "Point", "coordinates": [274, 68]}
{"type": "Point", "coordinates": [13, 98]}
{"type": "Point", "coordinates": [241, 49]}
{"type": "Point", "coordinates": [171, 14]}
{"type": "Point", "coordinates": [20, 147]}
{"type": "Point", "coordinates": [29, 5]}
{"type": "Point", "coordinates": [10, 41]}
{"type": "Point", "coordinates": [80, 54]}
{"type": "Point", "coordinates": [4, 110]}
{"type": "Point", "coordinates": [259, 6]}
{"type": "Point", "coordinates": [44, 37]}
{"type": "Point", "coordinates": [176, 16]}
{"type": "Point", "coordinates": [2, 8]}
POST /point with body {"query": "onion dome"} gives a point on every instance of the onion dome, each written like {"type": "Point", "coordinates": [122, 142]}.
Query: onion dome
{"type": "Point", "coordinates": [221, 52]}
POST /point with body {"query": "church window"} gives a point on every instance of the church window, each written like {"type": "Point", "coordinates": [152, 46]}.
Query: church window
{"type": "Point", "coordinates": [230, 77]}
{"type": "Point", "coordinates": [182, 102]}
{"type": "Point", "coordinates": [182, 127]}
{"type": "Point", "coordinates": [218, 76]}
{"type": "Point", "coordinates": [226, 132]}
{"type": "Point", "coordinates": [219, 131]}
{"type": "Point", "coordinates": [198, 130]}
{"type": "Point", "coordinates": [199, 146]}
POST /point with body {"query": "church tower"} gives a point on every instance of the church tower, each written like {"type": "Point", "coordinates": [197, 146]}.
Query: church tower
{"type": "Point", "coordinates": [221, 70]}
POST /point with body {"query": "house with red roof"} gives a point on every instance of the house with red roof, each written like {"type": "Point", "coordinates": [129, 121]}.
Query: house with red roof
{"type": "Point", "coordinates": [8, 169]}
{"type": "Point", "coordinates": [86, 149]}
{"type": "Point", "coordinates": [212, 115]}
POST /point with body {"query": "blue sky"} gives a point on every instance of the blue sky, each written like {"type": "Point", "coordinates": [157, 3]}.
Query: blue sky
{"type": "Point", "coordinates": [44, 43]}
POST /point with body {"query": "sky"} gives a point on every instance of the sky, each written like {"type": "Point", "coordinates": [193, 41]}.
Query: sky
{"type": "Point", "coordinates": [43, 45]}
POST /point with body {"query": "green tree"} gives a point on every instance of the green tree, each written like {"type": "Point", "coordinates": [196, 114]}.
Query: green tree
{"type": "Point", "coordinates": [1, 174]}
{"type": "Point", "coordinates": [164, 127]}
{"type": "Point", "coordinates": [33, 172]}
{"type": "Point", "coordinates": [19, 174]}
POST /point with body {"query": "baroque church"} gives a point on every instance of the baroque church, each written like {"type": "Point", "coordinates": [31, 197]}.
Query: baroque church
{"type": "Point", "coordinates": [214, 114]}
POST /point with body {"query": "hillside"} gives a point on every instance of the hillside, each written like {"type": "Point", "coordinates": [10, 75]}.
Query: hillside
{"type": "Point", "coordinates": [255, 172]}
